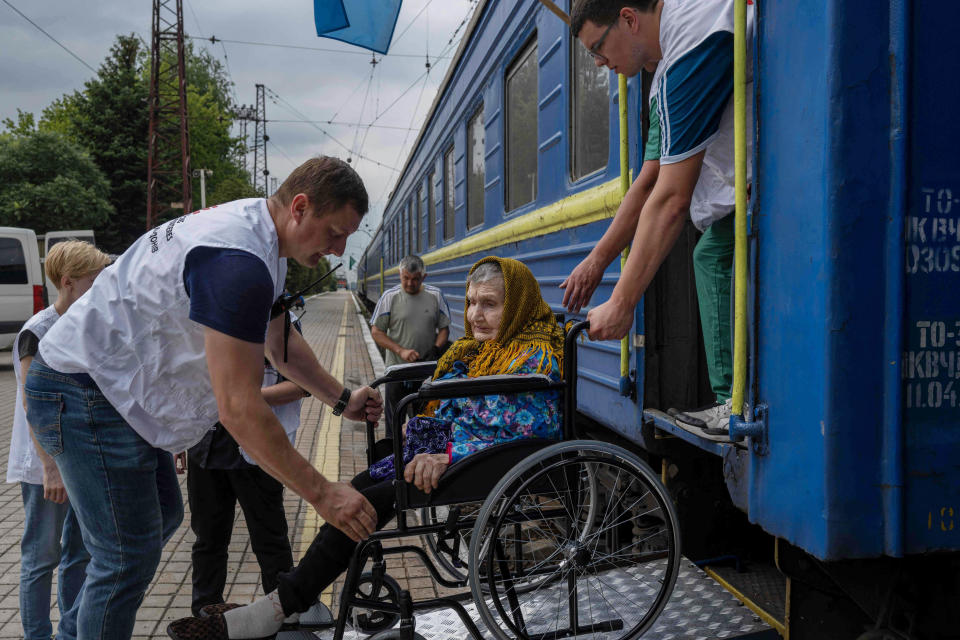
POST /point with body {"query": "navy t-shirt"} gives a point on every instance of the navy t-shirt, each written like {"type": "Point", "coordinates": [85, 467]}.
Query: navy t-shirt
{"type": "Point", "coordinates": [230, 291]}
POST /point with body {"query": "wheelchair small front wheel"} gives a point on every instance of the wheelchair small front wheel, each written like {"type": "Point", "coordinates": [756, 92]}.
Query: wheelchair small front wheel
{"type": "Point", "coordinates": [370, 621]}
{"type": "Point", "coordinates": [578, 539]}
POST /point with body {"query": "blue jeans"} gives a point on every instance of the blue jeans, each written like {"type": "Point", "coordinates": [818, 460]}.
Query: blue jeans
{"type": "Point", "coordinates": [124, 491]}
{"type": "Point", "coordinates": [51, 537]}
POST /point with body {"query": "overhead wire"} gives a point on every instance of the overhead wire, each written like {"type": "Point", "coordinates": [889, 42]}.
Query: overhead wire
{"type": "Point", "coordinates": [340, 123]}
{"type": "Point", "coordinates": [215, 39]}
{"type": "Point", "coordinates": [349, 98]}
{"type": "Point", "coordinates": [424, 76]}
{"type": "Point", "coordinates": [280, 101]}
{"type": "Point", "coordinates": [442, 56]}
{"type": "Point", "coordinates": [406, 136]}
{"type": "Point", "coordinates": [60, 44]}
{"type": "Point", "coordinates": [280, 149]}
{"type": "Point", "coordinates": [363, 107]}
{"type": "Point", "coordinates": [410, 24]}
{"type": "Point", "coordinates": [226, 59]}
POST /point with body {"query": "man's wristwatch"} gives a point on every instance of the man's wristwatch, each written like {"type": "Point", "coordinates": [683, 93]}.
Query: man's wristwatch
{"type": "Point", "coordinates": [342, 402]}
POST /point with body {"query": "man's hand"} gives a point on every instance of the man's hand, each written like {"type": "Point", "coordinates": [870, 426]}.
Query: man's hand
{"type": "Point", "coordinates": [365, 404]}
{"type": "Point", "coordinates": [610, 321]}
{"type": "Point", "coordinates": [581, 283]}
{"type": "Point", "coordinates": [345, 508]}
{"type": "Point", "coordinates": [425, 469]}
{"type": "Point", "coordinates": [53, 489]}
{"type": "Point", "coordinates": [408, 355]}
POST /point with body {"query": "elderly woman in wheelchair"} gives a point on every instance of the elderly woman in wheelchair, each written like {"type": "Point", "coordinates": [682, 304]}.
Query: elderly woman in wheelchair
{"type": "Point", "coordinates": [558, 510]}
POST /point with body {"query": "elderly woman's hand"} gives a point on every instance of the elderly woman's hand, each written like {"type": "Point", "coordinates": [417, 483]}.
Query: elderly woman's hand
{"type": "Point", "coordinates": [425, 469]}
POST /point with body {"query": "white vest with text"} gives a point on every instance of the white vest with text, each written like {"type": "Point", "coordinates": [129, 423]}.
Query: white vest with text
{"type": "Point", "coordinates": [132, 333]}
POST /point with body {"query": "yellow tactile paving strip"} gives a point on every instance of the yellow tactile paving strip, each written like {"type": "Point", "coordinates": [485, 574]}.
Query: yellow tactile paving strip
{"type": "Point", "coordinates": [326, 457]}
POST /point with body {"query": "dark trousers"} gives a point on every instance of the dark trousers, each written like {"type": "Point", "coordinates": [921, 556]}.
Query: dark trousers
{"type": "Point", "coordinates": [213, 495]}
{"type": "Point", "coordinates": [330, 552]}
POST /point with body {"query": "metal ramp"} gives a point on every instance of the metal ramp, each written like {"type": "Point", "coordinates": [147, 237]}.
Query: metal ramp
{"type": "Point", "coordinates": [699, 609]}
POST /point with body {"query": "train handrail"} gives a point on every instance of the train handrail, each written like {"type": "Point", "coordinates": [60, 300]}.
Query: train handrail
{"type": "Point", "coordinates": [625, 341]}
{"type": "Point", "coordinates": [740, 214]}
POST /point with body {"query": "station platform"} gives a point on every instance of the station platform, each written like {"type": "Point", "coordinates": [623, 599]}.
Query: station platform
{"type": "Point", "coordinates": [336, 330]}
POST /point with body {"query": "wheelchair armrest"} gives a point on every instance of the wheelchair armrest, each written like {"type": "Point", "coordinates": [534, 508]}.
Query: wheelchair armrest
{"type": "Point", "coordinates": [486, 385]}
{"type": "Point", "coordinates": [404, 372]}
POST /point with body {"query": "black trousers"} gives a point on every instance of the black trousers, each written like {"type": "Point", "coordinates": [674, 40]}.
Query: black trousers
{"type": "Point", "coordinates": [330, 552]}
{"type": "Point", "coordinates": [213, 495]}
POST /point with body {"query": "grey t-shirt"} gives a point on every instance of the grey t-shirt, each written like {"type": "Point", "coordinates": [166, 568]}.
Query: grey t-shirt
{"type": "Point", "coordinates": [412, 321]}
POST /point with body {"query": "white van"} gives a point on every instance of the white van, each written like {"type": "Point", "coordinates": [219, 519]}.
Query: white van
{"type": "Point", "coordinates": [53, 237]}
{"type": "Point", "coordinates": [21, 281]}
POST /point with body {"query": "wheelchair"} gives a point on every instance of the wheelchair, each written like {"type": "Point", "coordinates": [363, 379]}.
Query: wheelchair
{"type": "Point", "coordinates": [549, 539]}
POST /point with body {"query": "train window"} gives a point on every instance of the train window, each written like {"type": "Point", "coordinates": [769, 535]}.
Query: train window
{"type": "Point", "coordinates": [410, 227]}
{"type": "Point", "coordinates": [432, 210]}
{"type": "Point", "coordinates": [475, 169]}
{"type": "Point", "coordinates": [589, 113]}
{"type": "Point", "coordinates": [521, 128]}
{"type": "Point", "coordinates": [448, 196]}
{"type": "Point", "coordinates": [417, 220]}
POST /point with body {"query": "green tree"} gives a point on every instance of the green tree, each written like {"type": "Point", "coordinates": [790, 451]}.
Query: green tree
{"type": "Point", "coordinates": [47, 182]}
{"type": "Point", "coordinates": [23, 125]}
{"type": "Point", "coordinates": [109, 117]}
{"type": "Point", "coordinates": [210, 112]}
{"type": "Point", "coordinates": [299, 276]}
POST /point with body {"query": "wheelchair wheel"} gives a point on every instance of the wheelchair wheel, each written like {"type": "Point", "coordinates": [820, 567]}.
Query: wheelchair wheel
{"type": "Point", "coordinates": [578, 539]}
{"type": "Point", "coordinates": [450, 552]}
{"type": "Point", "coordinates": [371, 621]}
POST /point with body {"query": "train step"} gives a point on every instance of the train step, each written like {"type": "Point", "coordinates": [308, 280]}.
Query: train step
{"type": "Point", "coordinates": [666, 424]}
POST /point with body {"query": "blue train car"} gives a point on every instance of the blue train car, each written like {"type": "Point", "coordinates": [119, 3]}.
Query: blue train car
{"type": "Point", "coordinates": [850, 482]}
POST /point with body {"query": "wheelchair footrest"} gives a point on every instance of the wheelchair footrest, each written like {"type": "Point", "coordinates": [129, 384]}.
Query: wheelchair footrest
{"type": "Point", "coordinates": [316, 617]}
{"type": "Point", "coordinates": [299, 634]}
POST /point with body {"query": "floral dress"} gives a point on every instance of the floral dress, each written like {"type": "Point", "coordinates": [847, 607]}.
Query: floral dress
{"type": "Point", "coordinates": [462, 426]}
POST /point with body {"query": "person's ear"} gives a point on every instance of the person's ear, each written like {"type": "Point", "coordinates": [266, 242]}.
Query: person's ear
{"type": "Point", "coordinates": [66, 283]}
{"type": "Point", "coordinates": [630, 18]}
{"type": "Point", "coordinates": [423, 277]}
{"type": "Point", "coordinates": [299, 206]}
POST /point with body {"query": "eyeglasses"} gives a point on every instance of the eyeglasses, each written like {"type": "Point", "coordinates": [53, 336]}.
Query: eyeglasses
{"type": "Point", "coordinates": [595, 49]}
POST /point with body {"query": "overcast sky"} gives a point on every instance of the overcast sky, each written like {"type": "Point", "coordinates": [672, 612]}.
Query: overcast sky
{"type": "Point", "coordinates": [34, 71]}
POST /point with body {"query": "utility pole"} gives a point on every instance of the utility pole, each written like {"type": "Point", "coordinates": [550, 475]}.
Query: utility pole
{"type": "Point", "coordinates": [260, 139]}
{"type": "Point", "coordinates": [273, 185]}
{"type": "Point", "coordinates": [257, 114]}
{"type": "Point", "coordinates": [246, 113]}
{"type": "Point", "coordinates": [168, 160]}
{"type": "Point", "coordinates": [202, 174]}
{"type": "Point", "coordinates": [243, 140]}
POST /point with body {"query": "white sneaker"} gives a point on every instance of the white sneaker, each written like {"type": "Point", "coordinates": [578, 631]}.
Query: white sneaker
{"type": "Point", "coordinates": [711, 419]}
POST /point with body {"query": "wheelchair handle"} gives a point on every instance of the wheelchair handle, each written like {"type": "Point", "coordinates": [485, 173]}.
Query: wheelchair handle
{"type": "Point", "coordinates": [570, 378]}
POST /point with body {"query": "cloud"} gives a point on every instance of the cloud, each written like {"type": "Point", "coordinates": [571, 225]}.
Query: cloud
{"type": "Point", "coordinates": [322, 86]}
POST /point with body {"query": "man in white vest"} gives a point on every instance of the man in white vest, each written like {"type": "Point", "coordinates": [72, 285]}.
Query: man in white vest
{"type": "Point", "coordinates": [170, 339]}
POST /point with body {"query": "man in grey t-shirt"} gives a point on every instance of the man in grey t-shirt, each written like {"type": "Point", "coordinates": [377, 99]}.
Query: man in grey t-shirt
{"type": "Point", "coordinates": [411, 320]}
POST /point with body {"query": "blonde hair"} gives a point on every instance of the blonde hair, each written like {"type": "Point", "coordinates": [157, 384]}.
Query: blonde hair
{"type": "Point", "coordinates": [75, 259]}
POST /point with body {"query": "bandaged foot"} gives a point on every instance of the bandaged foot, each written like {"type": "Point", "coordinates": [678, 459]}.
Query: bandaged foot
{"type": "Point", "coordinates": [261, 618]}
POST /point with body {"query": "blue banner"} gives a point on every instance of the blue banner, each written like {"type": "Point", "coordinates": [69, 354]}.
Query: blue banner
{"type": "Point", "coordinates": [364, 23]}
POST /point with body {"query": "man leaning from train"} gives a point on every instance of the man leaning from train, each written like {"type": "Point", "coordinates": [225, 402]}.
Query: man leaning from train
{"type": "Point", "coordinates": [691, 97]}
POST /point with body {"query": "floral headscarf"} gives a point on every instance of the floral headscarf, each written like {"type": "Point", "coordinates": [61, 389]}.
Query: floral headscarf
{"type": "Point", "coordinates": [527, 326]}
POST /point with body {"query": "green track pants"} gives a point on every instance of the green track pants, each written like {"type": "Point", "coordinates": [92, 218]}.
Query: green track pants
{"type": "Point", "coordinates": [713, 268]}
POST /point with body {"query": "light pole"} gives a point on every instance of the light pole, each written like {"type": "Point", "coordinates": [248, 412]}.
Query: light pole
{"type": "Point", "coordinates": [203, 173]}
